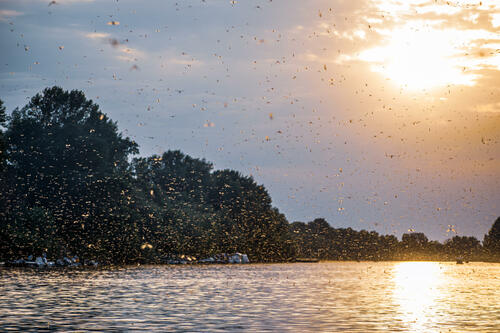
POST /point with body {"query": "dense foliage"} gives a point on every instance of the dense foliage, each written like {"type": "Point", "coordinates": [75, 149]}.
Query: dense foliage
{"type": "Point", "coordinates": [69, 185]}
{"type": "Point", "coordinates": [492, 241]}
{"type": "Point", "coordinates": [317, 239]}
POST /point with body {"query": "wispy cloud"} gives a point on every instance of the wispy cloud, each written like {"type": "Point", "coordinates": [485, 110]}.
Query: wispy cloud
{"type": "Point", "coordinates": [124, 53]}
{"type": "Point", "coordinates": [489, 108]}
{"type": "Point", "coordinates": [6, 14]}
{"type": "Point", "coordinates": [424, 44]}
{"type": "Point", "coordinates": [97, 35]}
{"type": "Point", "coordinates": [320, 68]}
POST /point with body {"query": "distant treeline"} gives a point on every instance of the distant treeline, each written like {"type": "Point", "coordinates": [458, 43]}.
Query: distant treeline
{"type": "Point", "coordinates": [68, 185]}
{"type": "Point", "coordinates": [317, 239]}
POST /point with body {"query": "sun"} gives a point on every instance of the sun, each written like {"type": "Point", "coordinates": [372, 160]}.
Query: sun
{"type": "Point", "coordinates": [419, 56]}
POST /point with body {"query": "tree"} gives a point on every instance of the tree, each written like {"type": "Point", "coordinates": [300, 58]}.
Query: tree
{"type": "Point", "coordinates": [34, 232]}
{"type": "Point", "coordinates": [3, 175]}
{"type": "Point", "coordinates": [177, 176]}
{"type": "Point", "coordinates": [491, 240]}
{"type": "Point", "coordinates": [388, 247]}
{"type": "Point", "coordinates": [414, 245]}
{"type": "Point", "coordinates": [416, 240]}
{"type": "Point", "coordinates": [67, 157]}
{"type": "Point", "coordinates": [178, 187]}
{"type": "Point", "coordinates": [247, 217]}
{"type": "Point", "coordinates": [462, 247]}
{"type": "Point", "coordinates": [2, 139]}
{"type": "Point", "coordinates": [320, 238]}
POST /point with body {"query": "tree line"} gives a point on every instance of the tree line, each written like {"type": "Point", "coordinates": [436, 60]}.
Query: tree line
{"type": "Point", "coordinates": [317, 239]}
{"type": "Point", "coordinates": [70, 184]}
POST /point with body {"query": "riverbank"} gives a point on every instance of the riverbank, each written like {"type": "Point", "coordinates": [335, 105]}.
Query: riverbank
{"type": "Point", "coordinates": [74, 261]}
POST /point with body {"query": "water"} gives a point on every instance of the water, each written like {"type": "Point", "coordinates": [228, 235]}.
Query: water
{"type": "Point", "coordinates": [324, 297]}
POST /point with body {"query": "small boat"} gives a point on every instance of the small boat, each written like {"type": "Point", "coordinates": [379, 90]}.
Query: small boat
{"type": "Point", "coordinates": [460, 261]}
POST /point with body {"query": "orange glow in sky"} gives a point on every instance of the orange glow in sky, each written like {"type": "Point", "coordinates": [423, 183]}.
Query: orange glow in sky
{"type": "Point", "coordinates": [433, 45]}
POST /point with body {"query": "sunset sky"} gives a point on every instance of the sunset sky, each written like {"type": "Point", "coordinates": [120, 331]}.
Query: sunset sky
{"type": "Point", "coordinates": [377, 115]}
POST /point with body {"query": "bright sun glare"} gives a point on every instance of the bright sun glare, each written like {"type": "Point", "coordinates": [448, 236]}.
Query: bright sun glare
{"type": "Point", "coordinates": [416, 288]}
{"type": "Point", "coordinates": [418, 56]}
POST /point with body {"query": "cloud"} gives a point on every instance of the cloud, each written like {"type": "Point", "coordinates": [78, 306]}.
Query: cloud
{"type": "Point", "coordinates": [97, 35]}
{"type": "Point", "coordinates": [8, 14]}
{"type": "Point", "coordinates": [130, 54]}
{"type": "Point", "coordinates": [495, 20]}
{"type": "Point", "coordinates": [125, 53]}
{"type": "Point", "coordinates": [423, 45]}
{"type": "Point", "coordinates": [180, 61]}
{"type": "Point", "coordinates": [209, 62]}
{"type": "Point", "coordinates": [488, 108]}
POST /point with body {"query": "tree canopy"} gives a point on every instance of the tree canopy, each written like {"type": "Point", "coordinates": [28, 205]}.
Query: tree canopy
{"type": "Point", "coordinates": [492, 239]}
{"type": "Point", "coordinates": [3, 145]}
{"type": "Point", "coordinates": [69, 185]}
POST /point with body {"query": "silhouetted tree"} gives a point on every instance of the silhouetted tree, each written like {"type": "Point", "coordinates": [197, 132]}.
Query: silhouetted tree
{"type": "Point", "coordinates": [247, 217]}
{"type": "Point", "coordinates": [3, 179]}
{"type": "Point", "coordinates": [414, 245]}
{"type": "Point", "coordinates": [66, 186]}
{"type": "Point", "coordinates": [67, 158]}
{"type": "Point", "coordinates": [3, 145]}
{"type": "Point", "coordinates": [462, 247]}
{"type": "Point", "coordinates": [491, 240]}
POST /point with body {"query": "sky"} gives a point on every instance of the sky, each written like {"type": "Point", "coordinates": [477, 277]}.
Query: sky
{"type": "Point", "coordinates": [375, 115]}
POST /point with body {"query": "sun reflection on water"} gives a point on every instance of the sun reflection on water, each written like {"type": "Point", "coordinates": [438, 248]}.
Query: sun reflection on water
{"type": "Point", "coordinates": [417, 288]}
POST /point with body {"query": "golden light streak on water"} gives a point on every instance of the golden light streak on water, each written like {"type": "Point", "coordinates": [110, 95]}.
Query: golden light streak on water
{"type": "Point", "coordinates": [417, 286]}
{"type": "Point", "coordinates": [322, 297]}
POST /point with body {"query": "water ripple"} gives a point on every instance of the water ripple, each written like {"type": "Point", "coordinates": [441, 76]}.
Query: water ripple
{"type": "Point", "coordinates": [324, 297]}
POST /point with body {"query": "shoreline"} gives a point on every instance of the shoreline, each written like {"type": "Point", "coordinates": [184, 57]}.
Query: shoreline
{"type": "Point", "coordinates": [5, 265]}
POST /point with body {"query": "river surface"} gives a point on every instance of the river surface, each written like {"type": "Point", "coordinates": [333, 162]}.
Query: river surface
{"type": "Point", "coordinates": [307, 297]}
